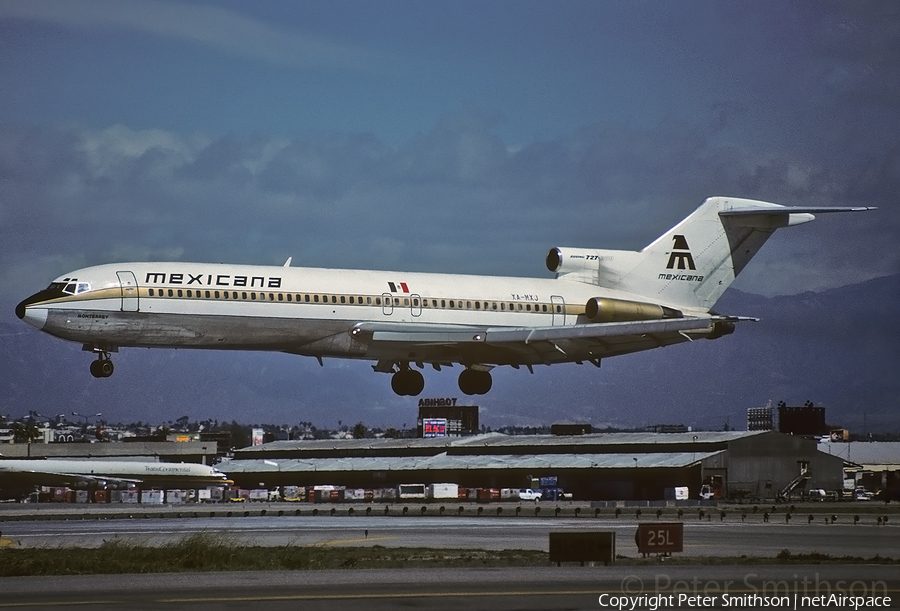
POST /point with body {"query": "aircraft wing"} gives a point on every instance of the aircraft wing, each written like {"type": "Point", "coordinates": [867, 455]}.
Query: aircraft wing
{"type": "Point", "coordinates": [526, 345]}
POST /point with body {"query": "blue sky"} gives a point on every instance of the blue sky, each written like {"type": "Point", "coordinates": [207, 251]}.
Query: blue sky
{"type": "Point", "coordinates": [455, 136]}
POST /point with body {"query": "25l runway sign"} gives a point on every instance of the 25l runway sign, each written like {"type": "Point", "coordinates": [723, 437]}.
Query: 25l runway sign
{"type": "Point", "coordinates": [660, 538]}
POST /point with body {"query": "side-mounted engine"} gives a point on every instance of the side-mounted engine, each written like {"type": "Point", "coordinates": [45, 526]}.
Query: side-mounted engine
{"type": "Point", "coordinates": [604, 309]}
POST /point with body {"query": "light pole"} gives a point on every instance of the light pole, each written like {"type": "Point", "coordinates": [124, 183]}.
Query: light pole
{"type": "Point", "coordinates": [85, 416]}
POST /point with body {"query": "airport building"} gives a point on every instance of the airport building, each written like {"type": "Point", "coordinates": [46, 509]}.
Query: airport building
{"type": "Point", "coordinates": [751, 465]}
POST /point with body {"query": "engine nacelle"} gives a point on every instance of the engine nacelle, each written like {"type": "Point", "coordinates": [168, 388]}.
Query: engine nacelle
{"type": "Point", "coordinates": [720, 329]}
{"type": "Point", "coordinates": [569, 260]}
{"type": "Point", "coordinates": [604, 309]}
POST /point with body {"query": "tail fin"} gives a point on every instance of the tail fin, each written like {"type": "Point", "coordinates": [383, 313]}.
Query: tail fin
{"type": "Point", "coordinates": [692, 264]}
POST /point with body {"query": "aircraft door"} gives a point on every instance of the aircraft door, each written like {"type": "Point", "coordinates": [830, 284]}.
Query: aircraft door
{"type": "Point", "coordinates": [558, 304]}
{"type": "Point", "coordinates": [387, 304]}
{"type": "Point", "coordinates": [130, 298]}
{"type": "Point", "coordinates": [416, 304]}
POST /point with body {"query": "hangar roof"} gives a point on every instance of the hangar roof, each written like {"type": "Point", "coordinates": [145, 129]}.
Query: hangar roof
{"type": "Point", "coordinates": [870, 455]}
{"type": "Point", "coordinates": [496, 443]}
{"type": "Point", "coordinates": [444, 461]}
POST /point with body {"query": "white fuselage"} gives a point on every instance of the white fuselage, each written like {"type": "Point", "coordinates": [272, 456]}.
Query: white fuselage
{"type": "Point", "coordinates": [300, 310]}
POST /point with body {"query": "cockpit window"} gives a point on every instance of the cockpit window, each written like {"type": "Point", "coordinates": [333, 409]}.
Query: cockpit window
{"type": "Point", "coordinates": [70, 287]}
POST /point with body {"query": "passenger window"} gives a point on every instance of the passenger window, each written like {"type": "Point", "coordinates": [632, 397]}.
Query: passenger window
{"type": "Point", "coordinates": [171, 293]}
{"type": "Point", "coordinates": [477, 305]}
{"type": "Point", "coordinates": [207, 294]}
{"type": "Point", "coordinates": [378, 301]}
{"type": "Point", "coordinates": [217, 294]}
{"type": "Point", "coordinates": [179, 292]}
{"type": "Point", "coordinates": [343, 299]}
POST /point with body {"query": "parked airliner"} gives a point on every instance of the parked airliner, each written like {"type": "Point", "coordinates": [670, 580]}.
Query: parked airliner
{"type": "Point", "coordinates": [601, 303]}
{"type": "Point", "coordinates": [18, 477]}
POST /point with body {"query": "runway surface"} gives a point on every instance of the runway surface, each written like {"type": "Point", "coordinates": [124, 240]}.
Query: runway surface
{"type": "Point", "coordinates": [451, 589]}
{"type": "Point", "coordinates": [701, 538]}
{"type": "Point", "coordinates": [492, 589]}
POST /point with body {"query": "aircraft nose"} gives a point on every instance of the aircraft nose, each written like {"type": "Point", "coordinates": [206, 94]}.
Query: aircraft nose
{"type": "Point", "coordinates": [36, 317]}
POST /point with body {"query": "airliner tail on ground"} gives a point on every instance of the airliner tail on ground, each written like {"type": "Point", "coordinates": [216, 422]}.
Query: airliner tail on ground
{"type": "Point", "coordinates": [601, 303]}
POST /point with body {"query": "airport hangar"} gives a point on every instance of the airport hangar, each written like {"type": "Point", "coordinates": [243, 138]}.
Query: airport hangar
{"type": "Point", "coordinates": [608, 466]}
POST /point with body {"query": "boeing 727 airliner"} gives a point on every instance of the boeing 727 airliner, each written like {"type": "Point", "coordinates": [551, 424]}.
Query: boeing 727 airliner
{"type": "Point", "coordinates": [602, 303]}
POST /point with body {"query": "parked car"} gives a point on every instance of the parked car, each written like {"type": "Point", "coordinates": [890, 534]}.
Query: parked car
{"type": "Point", "coordinates": [527, 494]}
{"type": "Point", "coordinates": [861, 494]}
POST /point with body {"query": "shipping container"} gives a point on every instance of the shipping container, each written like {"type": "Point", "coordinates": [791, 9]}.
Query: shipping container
{"type": "Point", "coordinates": [129, 496]}
{"type": "Point", "coordinates": [176, 497]}
{"type": "Point", "coordinates": [443, 491]}
{"type": "Point", "coordinates": [355, 494]}
{"type": "Point", "coordinates": [153, 497]}
{"type": "Point", "coordinates": [411, 491]}
{"type": "Point", "coordinates": [509, 494]}
{"type": "Point", "coordinates": [258, 494]}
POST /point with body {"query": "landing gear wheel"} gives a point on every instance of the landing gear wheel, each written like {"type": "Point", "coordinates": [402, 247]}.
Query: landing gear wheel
{"type": "Point", "coordinates": [408, 382]}
{"type": "Point", "coordinates": [473, 382]}
{"type": "Point", "coordinates": [102, 368]}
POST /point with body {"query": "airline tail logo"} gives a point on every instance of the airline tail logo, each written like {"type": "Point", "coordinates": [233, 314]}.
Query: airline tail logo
{"type": "Point", "coordinates": [680, 255]}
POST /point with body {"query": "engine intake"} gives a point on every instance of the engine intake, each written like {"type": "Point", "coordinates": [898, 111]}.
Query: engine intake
{"type": "Point", "coordinates": [568, 260]}
{"type": "Point", "coordinates": [604, 309]}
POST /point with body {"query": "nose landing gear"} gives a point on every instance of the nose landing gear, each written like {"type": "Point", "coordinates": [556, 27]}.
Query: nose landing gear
{"type": "Point", "coordinates": [103, 366]}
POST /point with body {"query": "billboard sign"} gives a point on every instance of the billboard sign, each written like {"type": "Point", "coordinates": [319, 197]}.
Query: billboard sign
{"type": "Point", "coordinates": [434, 427]}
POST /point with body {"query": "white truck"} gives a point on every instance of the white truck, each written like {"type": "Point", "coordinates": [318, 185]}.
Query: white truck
{"type": "Point", "coordinates": [530, 494]}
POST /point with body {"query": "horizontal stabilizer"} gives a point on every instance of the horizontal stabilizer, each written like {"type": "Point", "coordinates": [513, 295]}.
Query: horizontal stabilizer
{"type": "Point", "coordinates": [792, 210]}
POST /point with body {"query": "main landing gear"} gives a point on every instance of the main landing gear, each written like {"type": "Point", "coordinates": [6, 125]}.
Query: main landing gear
{"type": "Point", "coordinates": [409, 382]}
{"type": "Point", "coordinates": [475, 382]}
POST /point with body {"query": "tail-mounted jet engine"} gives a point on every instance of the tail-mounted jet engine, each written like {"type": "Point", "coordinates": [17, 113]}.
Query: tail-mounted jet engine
{"type": "Point", "coordinates": [603, 309]}
{"type": "Point", "coordinates": [572, 260]}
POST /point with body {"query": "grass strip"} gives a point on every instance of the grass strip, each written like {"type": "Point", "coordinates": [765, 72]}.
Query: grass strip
{"type": "Point", "coordinates": [205, 552]}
